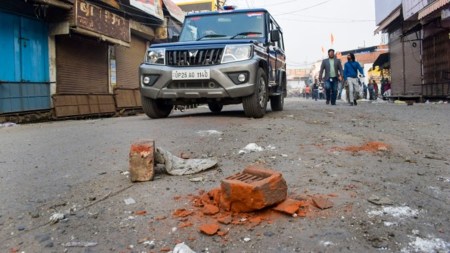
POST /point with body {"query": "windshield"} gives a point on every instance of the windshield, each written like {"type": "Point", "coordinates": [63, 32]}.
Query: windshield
{"type": "Point", "coordinates": [224, 26]}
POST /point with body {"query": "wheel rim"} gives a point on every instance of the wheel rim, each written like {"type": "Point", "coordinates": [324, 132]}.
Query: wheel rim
{"type": "Point", "coordinates": [262, 92]}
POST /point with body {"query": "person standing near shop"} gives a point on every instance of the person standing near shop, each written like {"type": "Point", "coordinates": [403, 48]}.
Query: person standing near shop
{"type": "Point", "coordinates": [351, 69]}
{"type": "Point", "coordinates": [333, 74]}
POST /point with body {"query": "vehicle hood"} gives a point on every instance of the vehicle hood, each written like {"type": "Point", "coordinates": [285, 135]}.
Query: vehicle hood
{"type": "Point", "coordinates": [202, 44]}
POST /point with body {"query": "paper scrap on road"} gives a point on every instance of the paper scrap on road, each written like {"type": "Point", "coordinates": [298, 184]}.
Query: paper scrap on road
{"type": "Point", "coordinates": [182, 248]}
{"type": "Point", "coordinates": [177, 166]}
{"type": "Point", "coordinates": [80, 244]}
{"type": "Point", "coordinates": [251, 147]}
{"type": "Point", "coordinates": [56, 217]}
{"type": "Point", "coordinates": [204, 133]}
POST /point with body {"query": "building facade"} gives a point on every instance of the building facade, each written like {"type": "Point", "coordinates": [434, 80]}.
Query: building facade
{"type": "Point", "coordinates": [76, 57]}
{"type": "Point", "coordinates": [419, 47]}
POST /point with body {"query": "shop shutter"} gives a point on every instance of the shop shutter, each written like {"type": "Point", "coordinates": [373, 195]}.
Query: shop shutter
{"type": "Point", "coordinates": [81, 65]}
{"type": "Point", "coordinates": [128, 61]}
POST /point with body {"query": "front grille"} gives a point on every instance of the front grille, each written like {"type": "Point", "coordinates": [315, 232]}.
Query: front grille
{"type": "Point", "coordinates": [196, 57]}
{"type": "Point", "coordinates": [207, 84]}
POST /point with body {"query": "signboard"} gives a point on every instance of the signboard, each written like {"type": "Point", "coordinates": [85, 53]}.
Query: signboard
{"type": "Point", "coordinates": [102, 21]}
{"type": "Point", "coordinates": [412, 7]}
{"type": "Point", "coordinates": [197, 5]}
{"type": "Point", "coordinates": [152, 7]}
{"type": "Point", "coordinates": [174, 10]}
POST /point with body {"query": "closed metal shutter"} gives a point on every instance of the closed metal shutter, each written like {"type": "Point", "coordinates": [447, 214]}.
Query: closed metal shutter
{"type": "Point", "coordinates": [396, 59]}
{"type": "Point", "coordinates": [437, 64]}
{"type": "Point", "coordinates": [81, 66]}
{"type": "Point", "coordinates": [128, 61]}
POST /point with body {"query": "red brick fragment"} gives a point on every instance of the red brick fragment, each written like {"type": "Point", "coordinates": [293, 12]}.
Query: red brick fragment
{"type": "Point", "coordinates": [322, 203]}
{"type": "Point", "coordinates": [253, 189]}
{"type": "Point", "coordinates": [222, 233]}
{"type": "Point", "coordinates": [227, 219]}
{"type": "Point", "coordinates": [289, 206]}
{"type": "Point", "coordinates": [209, 229]}
{"type": "Point", "coordinates": [185, 224]}
{"type": "Point", "coordinates": [210, 209]}
{"type": "Point", "coordinates": [141, 161]}
{"type": "Point", "coordinates": [140, 212]}
{"type": "Point", "coordinates": [165, 249]}
{"type": "Point", "coordinates": [181, 213]}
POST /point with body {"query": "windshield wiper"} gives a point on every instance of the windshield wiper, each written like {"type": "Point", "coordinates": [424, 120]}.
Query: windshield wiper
{"type": "Point", "coordinates": [244, 34]}
{"type": "Point", "coordinates": [211, 36]}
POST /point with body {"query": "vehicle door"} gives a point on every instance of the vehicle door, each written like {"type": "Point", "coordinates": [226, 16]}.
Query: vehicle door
{"type": "Point", "coordinates": [277, 55]}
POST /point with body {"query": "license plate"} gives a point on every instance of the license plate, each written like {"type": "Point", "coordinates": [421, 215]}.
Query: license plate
{"type": "Point", "coordinates": [190, 74]}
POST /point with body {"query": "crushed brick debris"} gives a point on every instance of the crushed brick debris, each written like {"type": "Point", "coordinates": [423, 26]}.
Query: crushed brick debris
{"type": "Point", "coordinates": [185, 224]}
{"type": "Point", "coordinates": [140, 212]}
{"type": "Point", "coordinates": [209, 229]}
{"type": "Point", "coordinates": [322, 203]}
{"type": "Point", "coordinates": [289, 206]}
{"type": "Point", "coordinates": [182, 213]}
{"type": "Point", "coordinates": [209, 209]}
{"type": "Point", "coordinates": [373, 146]}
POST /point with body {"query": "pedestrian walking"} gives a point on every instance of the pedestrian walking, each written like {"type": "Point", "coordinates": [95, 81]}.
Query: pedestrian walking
{"type": "Point", "coordinates": [371, 87]}
{"type": "Point", "coordinates": [351, 69]}
{"type": "Point", "coordinates": [331, 73]}
{"type": "Point", "coordinates": [315, 89]}
{"type": "Point", "coordinates": [307, 91]}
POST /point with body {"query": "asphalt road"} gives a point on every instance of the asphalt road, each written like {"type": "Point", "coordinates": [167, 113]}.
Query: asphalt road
{"type": "Point", "coordinates": [76, 167]}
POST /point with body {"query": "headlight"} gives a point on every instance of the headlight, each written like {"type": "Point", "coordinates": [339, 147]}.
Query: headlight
{"type": "Point", "coordinates": [234, 53]}
{"type": "Point", "coordinates": [156, 56]}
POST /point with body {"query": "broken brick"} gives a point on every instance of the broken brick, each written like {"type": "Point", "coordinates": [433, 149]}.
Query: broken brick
{"type": "Point", "coordinates": [253, 189]}
{"type": "Point", "coordinates": [209, 229]}
{"type": "Point", "coordinates": [322, 203]}
{"type": "Point", "coordinates": [289, 206]}
{"type": "Point", "coordinates": [185, 224]}
{"type": "Point", "coordinates": [142, 161]}
{"type": "Point", "coordinates": [210, 209]}
{"type": "Point", "coordinates": [140, 212]}
{"type": "Point", "coordinates": [225, 219]}
{"type": "Point", "coordinates": [222, 233]}
{"type": "Point", "coordinates": [181, 213]}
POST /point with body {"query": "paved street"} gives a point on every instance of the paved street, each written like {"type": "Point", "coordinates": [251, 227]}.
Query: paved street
{"type": "Point", "coordinates": [78, 167]}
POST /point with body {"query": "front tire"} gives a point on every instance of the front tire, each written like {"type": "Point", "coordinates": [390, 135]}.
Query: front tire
{"type": "Point", "coordinates": [156, 108]}
{"type": "Point", "coordinates": [215, 107]}
{"type": "Point", "coordinates": [255, 105]}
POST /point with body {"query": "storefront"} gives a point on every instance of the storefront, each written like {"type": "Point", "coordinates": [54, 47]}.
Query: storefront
{"type": "Point", "coordinates": [436, 49]}
{"type": "Point", "coordinates": [83, 61]}
{"type": "Point", "coordinates": [24, 65]}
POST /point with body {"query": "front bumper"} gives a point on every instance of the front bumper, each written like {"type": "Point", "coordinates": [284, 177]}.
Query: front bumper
{"type": "Point", "coordinates": [220, 85]}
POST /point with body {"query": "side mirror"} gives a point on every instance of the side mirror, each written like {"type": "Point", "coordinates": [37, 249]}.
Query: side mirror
{"type": "Point", "coordinates": [274, 35]}
{"type": "Point", "coordinates": [175, 38]}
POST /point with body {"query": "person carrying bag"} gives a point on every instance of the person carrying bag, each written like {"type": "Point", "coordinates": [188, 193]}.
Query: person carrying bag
{"type": "Point", "coordinates": [351, 68]}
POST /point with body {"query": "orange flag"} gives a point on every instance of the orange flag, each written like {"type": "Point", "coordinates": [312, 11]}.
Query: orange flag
{"type": "Point", "coordinates": [332, 39]}
{"type": "Point", "coordinates": [323, 50]}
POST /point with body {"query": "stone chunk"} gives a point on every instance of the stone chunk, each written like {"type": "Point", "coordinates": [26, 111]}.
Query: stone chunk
{"type": "Point", "coordinates": [142, 161]}
{"type": "Point", "coordinates": [253, 189]}
{"type": "Point", "coordinates": [322, 203]}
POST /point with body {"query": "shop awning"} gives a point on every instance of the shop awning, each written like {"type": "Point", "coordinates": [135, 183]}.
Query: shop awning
{"type": "Point", "coordinates": [382, 61]}
{"type": "Point", "coordinates": [174, 11]}
{"type": "Point", "coordinates": [387, 21]}
{"type": "Point", "coordinates": [436, 5]}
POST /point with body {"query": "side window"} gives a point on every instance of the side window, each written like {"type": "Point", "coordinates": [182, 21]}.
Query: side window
{"type": "Point", "coordinates": [281, 42]}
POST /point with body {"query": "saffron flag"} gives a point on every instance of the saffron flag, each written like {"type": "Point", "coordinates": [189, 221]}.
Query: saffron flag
{"type": "Point", "coordinates": [332, 39]}
{"type": "Point", "coordinates": [323, 50]}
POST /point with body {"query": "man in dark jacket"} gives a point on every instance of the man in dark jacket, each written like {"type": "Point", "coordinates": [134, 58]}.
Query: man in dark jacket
{"type": "Point", "coordinates": [333, 74]}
